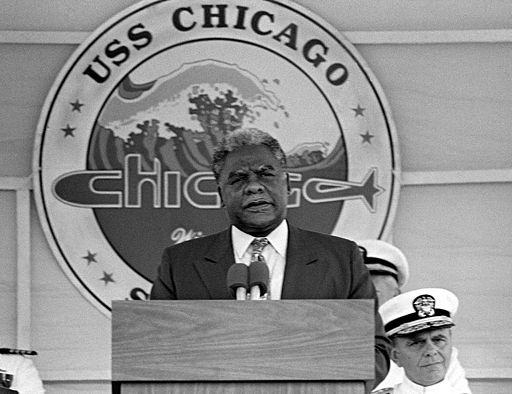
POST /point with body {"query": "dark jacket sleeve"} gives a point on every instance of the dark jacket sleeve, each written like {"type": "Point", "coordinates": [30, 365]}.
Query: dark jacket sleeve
{"type": "Point", "coordinates": [163, 286]}
{"type": "Point", "coordinates": [363, 288]}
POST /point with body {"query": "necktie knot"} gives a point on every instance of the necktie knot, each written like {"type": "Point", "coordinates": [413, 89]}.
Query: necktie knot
{"type": "Point", "coordinates": [258, 244]}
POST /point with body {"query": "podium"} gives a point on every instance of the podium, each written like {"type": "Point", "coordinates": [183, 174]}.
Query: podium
{"type": "Point", "coordinates": [228, 346]}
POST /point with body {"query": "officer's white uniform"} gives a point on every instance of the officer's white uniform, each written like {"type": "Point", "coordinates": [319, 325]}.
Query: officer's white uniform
{"type": "Point", "coordinates": [455, 375]}
{"type": "Point", "coordinates": [383, 258]}
{"type": "Point", "coordinates": [26, 378]}
{"type": "Point", "coordinates": [408, 387]}
{"type": "Point", "coordinates": [403, 315]}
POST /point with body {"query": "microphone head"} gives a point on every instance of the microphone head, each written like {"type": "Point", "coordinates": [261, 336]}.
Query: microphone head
{"type": "Point", "coordinates": [259, 276]}
{"type": "Point", "coordinates": [238, 276]}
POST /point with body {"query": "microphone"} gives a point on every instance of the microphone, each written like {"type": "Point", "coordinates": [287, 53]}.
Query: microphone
{"type": "Point", "coordinates": [258, 279]}
{"type": "Point", "coordinates": [5, 350]}
{"type": "Point", "coordinates": [237, 281]}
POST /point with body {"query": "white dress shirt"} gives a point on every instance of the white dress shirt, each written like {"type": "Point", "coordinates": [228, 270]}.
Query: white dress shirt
{"type": "Point", "coordinates": [274, 254]}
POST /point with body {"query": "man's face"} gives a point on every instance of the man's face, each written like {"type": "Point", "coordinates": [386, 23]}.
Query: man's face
{"type": "Point", "coordinates": [386, 287]}
{"type": "Point", "coordinates": [424, 355]}
{"type": "Point", "coordinates": [254, 189]}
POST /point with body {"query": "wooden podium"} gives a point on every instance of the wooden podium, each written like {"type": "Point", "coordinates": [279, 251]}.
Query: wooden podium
{"type": "Point", "coordinates": [223, 346]}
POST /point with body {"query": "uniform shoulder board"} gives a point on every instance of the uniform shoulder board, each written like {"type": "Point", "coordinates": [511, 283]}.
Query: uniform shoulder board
{"type": "Point", "coordinates": [387, 390]}
{"type": "Point", "coordinates": [5, 350]}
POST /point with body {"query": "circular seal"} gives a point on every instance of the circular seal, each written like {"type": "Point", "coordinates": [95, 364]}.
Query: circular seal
{"type": "Point", "coordinates": [124, 142]}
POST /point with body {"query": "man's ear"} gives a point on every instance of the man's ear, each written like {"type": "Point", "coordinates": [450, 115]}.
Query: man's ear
{"type": "Point", "coordinates": [219, 190]}
{"type": "Point", "coordinates": [395, 356]}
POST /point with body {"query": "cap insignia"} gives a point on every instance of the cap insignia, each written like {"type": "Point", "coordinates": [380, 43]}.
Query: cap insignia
{"type": "Point", "coordinates": [424, 305]}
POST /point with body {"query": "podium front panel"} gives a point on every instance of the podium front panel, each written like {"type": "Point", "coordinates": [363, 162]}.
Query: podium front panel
{"type": "Point", "coordinates": [243, 387]}
{"type": "Point", "coordinates": [223, 340]}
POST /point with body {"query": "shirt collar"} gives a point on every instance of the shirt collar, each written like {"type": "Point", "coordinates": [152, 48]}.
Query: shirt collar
{"type": "Point", "coordinates": [278, 238]}
{"type": "Point", "coordinates": [410, 387]}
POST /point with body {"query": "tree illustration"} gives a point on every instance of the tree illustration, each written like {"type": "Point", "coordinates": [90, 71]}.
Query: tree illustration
{"type": "Point", "coordinates": [219, 116]}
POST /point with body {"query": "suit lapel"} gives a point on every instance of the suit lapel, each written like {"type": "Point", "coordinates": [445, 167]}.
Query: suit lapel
{"type": "Point", "coordinates": [213, 268]}
{"type": "Point", "coordinates": [304, 271]}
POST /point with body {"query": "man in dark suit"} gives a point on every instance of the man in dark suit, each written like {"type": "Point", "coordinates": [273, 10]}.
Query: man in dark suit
{"type": "Point", "coordinates": [250, 170]}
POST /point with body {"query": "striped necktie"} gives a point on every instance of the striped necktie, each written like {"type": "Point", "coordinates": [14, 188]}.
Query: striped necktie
{"type": "Point", "coordinates": [258, 244]}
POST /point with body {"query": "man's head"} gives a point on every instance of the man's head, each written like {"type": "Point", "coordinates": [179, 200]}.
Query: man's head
{"type": "Point", "coordinates": [250, 170]}
{"type": "Point", "coordinates": [387, 265]}
{"type": "Point", "coordinates": [424, 355]}
{"type": "Point", "coordinates": [419, 325]}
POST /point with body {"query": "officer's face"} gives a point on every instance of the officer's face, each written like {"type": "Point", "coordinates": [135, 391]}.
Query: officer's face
{"type": "Point", "coordinates": [254, 189]}
{"type": "Point", "coordinates": [424, 355]}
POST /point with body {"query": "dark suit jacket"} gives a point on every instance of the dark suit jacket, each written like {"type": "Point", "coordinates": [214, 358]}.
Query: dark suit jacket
{"type": "Point", "coordinates": [318, 266]}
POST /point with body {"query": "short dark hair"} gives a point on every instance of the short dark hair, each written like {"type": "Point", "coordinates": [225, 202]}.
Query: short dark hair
{"type": "Point", "coordinates": [245, 137]}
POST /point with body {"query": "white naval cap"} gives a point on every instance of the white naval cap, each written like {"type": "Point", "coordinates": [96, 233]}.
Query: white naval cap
{"type": "Point", "coordinates": [384, 258]}
{"type": "Point", "coordinates": [418, 310]}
